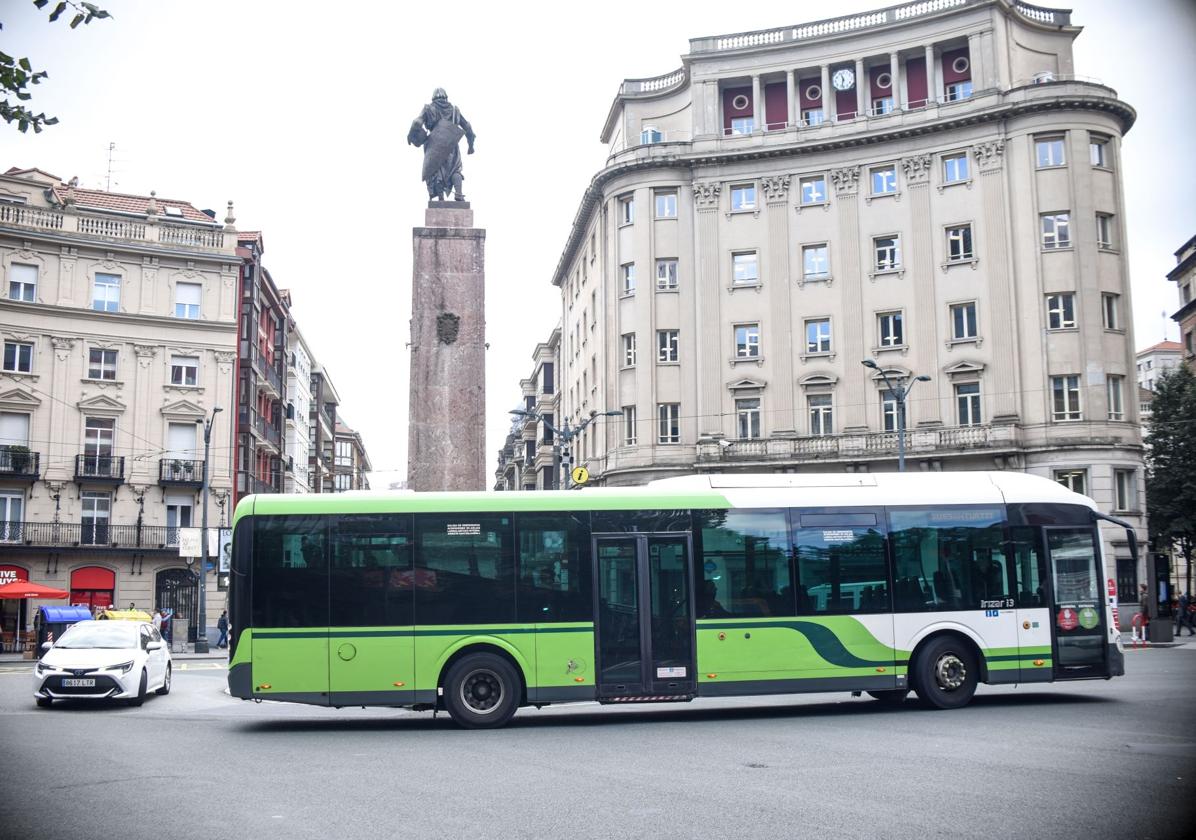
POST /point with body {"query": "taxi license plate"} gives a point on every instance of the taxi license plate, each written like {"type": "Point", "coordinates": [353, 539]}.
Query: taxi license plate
{"type": "Point", "coordinates": [85, 683]}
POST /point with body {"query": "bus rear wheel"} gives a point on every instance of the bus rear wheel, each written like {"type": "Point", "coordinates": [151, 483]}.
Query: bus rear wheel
{"type": "Point", "coordinates": [481, 691]}
{"type": "Point", "coordinates": [946, 674]}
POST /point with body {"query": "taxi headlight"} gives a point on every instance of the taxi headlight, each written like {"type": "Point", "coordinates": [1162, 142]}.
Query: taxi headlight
{"type": "Point", "coordinates": [43, 668]}
{"type": "Point", "coordinates": [124, 667]}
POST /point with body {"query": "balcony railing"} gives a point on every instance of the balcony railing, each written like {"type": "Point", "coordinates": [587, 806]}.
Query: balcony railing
{"type": "Point", "coordinates": [176, 471]}
{"type": "Point", "coordinates": [249, 483]}
{"type": "Point", "coordinates": [19, 463]}
{"type": "Point", "coordinates": [266, 430]}
{"type": "Point", "coordinates": [100, 468]}
{"type": "Point", "coordinates": [113, 227]}
{"type": "Point", "coordinates": [89, 534]}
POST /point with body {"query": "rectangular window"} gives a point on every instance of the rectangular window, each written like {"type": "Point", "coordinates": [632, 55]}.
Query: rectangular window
{"type": "Point", "coordinates": [891, 329]}
{"type": "Point", "coordinates": [813, 116]}
{"type": "Point", "coordinates": [629, 436]}
{"type": "Point", "coordinates": [626, 210]}
{"type": "Point", "coordinates": [745, 561]}
{"type": "Point", "coordinates": [958, 90]}
{"type": "Point", "coordinates": [747, 341]}
{"type": "Point", "coordinates": [816, 264]}
{"type": "Point", "coordinates": [955, 168]}
{"type": "Point", "coordinates": [949, 559]}
{"type": "Point", "coordinates": [99, 433]}
{"type": "Point", "coordinates": [184, 370]}
{"type": "Point", "coordinates": [822, 418]}
{"type": "Point", "coordinates": [1056, 230]}
{"type": "Point", "coordinates": [106, 293]}
{"type": "Point", "coordinates": [1104, 231]}
{"type": "Point", "coordinates": [554, 572]}
{"type": "Point", "coordinates": [888, 253]}
{"type": "Point", "coordinates": [747, 418]}
{"type": "Point", "coordinates": [888, 411]}
{"type": "Point", "coordinates": [97, 510]}
{"type": "Point", "coordinates": [1098, 150]}
{"type": "Point", "coordinates": [667, 345]}
{"type": "Point", "coordinates": [464, 568]}
{"type": "Point", "coordinates": [745, 269]}
{"type": "Point", "coordinates": [666, 275]}
{"type": "Point", "coordinates": [882, 105]}
{"type": "Point", "coordinates": [628, 349]}
{"type": "Point", "coordinates": [959, 243]}
{"type": "Point", "coordinates": [628, 271]}
{"type": "Point", "coordinates": [101, 364]}
{"type": "Point", "coordinates": [967, 402]}
{"type": "Point", "coordinates": [187, 298]}
{"type": "Point", "coordinates": [884, 180]}
{"type": "Point", "coordinates": [1049, 152]}
{"type": "Point", "coordinates": [963, 321]}
{"type": "Point", "coordinates": [1065, 398]}
{"type": "Point", "coordinates": [1110, 310]}
{"type": "Point", "coordinates": [743, 125]}
{"type": "Point", "coordinates": [666, 204]}
{"type": "Point", "coordinates": [669, 423]}
{"type": "Point", "coordinates": [1125, 488]}
{"type": "Point", "coordinates": [813, 189]}
{"type": "Point", "coordinates": [12, 514]}
{"type": "Point", "coordinates": [743, 197]}
{"type": "Point", "coordinates": [840, 568]}
{"type": "Point", "coordinates": [1074, 480]}
{"type": "Point", "coordinates": [18, 357]}
{"type": "Point", "coordinates": [22, 282]}
{"type": "Point", "coordinates": [818, 336]}
{"type": "Point", "coordinates": [1061, 311]}
{"type": "Point", "coordinates": [371, 581]}
{"type": "Point", "coordinates": [1127, 580]}
{"type": "Point", "coordinates": [1115, 388]}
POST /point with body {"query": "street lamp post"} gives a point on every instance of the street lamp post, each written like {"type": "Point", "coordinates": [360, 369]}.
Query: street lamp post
{"type": "Point", "coordinates": [899, 392]}
{"type": "Point", "coordinates": [201, 630]}
{"type": "Point", "coordinates": [562, 446]}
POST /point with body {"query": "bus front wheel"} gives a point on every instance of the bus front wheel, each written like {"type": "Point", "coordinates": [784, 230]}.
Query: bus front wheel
{"type": "Point", "coordinates": [946, 674]}
{"type": "Point", "coordinates": [481, 691]}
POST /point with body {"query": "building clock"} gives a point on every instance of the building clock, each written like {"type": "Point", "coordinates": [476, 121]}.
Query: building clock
{"type": "Point", "coordinates": [844, 79]}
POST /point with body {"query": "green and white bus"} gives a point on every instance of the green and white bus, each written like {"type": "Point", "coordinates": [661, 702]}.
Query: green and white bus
{"type": "Point", "coordinates": [701, 586]}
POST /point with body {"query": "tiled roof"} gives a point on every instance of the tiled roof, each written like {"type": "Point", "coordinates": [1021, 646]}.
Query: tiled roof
{"type": "Point", "coordinates": [138, 204]}
{"type": "Point", "coordinates": [249, 236]}
{"type": "Point", "coordinates": [1163, 346]}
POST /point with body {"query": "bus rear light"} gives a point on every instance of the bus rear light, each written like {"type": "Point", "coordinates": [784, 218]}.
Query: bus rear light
{"type": "Point", "coordinates": [1038, 663]}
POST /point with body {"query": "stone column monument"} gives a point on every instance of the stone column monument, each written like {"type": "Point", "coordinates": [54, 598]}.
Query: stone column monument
{"type": "Point", "coordinates": [446, 437]}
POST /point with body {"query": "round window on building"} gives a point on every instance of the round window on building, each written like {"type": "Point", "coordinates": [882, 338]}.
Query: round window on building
{"type": "Point", "coordinates": [960, 65]}
{"type": "Point", "coordinates": [740, 103]}
{"type": "Point", "coordinates": [813, 92]}
{"type": "Point", "coordinates": [884, 81]}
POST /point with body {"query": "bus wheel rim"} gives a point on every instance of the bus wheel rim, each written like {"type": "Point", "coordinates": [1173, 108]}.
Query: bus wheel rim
{"type": "Point", "coordinates": [481, 691]}
{"type": "Point", "coordinates": [950, 672]}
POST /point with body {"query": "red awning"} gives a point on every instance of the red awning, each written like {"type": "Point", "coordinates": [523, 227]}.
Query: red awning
{"type": "Point", "coordinates": [93, 577]}
{"type": "Point", "coordinates": [26, 589]}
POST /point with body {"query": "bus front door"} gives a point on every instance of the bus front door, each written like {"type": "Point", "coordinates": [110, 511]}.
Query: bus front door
{"type": "Point", "coordinates": [1078, 614]}
{"type": "Point", "coordinates": [644, 628]}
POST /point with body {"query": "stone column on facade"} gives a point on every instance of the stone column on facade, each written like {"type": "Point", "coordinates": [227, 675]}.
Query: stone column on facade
{"type": "Point", "coordinates": [828, 109]}
{"type": "Point", "coordinates": [60, 449]}
{"type": "Point", "coordinates": [995, 262]}
{"type": "Point", "coordinates": [447, 414]}
{"type": "Point", "coordinates": [853, 397]}
{"type": "Point", "coordinates": [222, 468]}
{"type": "Point", "coordinates": [779, 325]}
{"type": "Point", "coordinates": [976, 60]}
{"type": "Point", "coordinates": [139, 468]}
{"type": "Point", "coordinates": [758, 112]}
{"type": "Point", "coordinates": [791, 98]}
{"type": "Point", "coordinates": [894, 80]}
{"type": "Point", "coordinates": [933, 88]}
{"type": "Point", "coordinates": [66, 276]}
{"type": "Point", "coordinates": [709, 408]}
{"type": "Point", "coordinates": [922, 316]}
{"type": "Point", "coordinates": [228, 292]}
{"type": "Point", "coordinates": [861, 89]}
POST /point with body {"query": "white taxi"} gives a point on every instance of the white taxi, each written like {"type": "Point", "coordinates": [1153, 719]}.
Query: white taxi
{"type": "Point", "coordinates": [98, 660]}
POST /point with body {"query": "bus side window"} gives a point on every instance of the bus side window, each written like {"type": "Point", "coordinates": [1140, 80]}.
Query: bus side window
{"type": "Point", "coordinates": [464, 568]}
{"type": "Point", "coordinates": [745, 564]}
{"type": "Point", "coordinates": [948, 558]}
{"type": "Point", "coordinates": [371, 580]}
{"type": "Point", "coordinates": [290, 572]}
{"type": "Point", "coordinates": [1029, 566]}
{"type": "Point", "coordinates": [840, 568]}
{"type": "Point", "coordinates": [553, 578]}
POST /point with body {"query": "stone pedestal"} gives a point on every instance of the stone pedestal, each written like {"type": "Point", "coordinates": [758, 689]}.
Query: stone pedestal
{"type": "Point", "coordinates": [446, 438]}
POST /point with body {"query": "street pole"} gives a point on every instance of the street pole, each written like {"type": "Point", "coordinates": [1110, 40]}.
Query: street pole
{"type": "Point", "coordinates": [899, 392]}
{"type": "Point", "coordinates": [201, 621]}
{"type": "Point", "coordinates": [563, 439]}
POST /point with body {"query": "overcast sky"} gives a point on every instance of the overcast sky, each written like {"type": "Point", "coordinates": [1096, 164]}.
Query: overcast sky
{"type": "Point", "coordinates": [300, 115]}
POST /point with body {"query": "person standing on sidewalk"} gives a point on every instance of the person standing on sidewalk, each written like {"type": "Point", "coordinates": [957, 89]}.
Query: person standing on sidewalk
{"type": "Point", "coordinates": [222, 626]}
{"type": "Point", "coordinates": [1144, 610]}
{"type": "Point", "coordinates": [1183, 615]}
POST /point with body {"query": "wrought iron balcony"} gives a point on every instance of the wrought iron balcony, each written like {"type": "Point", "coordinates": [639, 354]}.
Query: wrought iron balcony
{"type": "Point", "coordinates": [18, 463]}
{"type": "Point", "coordinates": [100, 468]}
{"type": "Point", "coordinates": [97, 534]}
{"type": "Point", "coordinates": [176, 472]}
{"type": "Point", "coordinates": [248, 483]}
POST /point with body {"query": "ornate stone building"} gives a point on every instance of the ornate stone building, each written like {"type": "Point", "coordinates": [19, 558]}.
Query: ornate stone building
{"type": "Point", "coordinates": [528, 457]}
{"type": "Point", "coordinates": [928, 186]}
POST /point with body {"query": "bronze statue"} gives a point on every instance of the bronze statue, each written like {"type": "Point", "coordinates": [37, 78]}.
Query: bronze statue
{"type": "Point", "coordinates": [439, 129]}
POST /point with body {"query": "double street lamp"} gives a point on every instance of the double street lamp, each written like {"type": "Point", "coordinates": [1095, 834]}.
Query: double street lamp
{"type": "Point", "coordinates": [563, 437]}
{"type": "Point", "coordinates": [201, 630]}
{"type": "Point", "coordinates": [899, 392]}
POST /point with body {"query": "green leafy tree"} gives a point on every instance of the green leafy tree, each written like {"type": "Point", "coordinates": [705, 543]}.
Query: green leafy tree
{"type": "Point", "coordinates": [1171, 463]}
{"type": "Point", "coordinates": [17, 74]}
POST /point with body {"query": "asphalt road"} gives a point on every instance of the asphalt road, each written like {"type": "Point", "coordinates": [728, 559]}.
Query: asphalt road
{"type": "Point", "coordinates": [1087, 760]}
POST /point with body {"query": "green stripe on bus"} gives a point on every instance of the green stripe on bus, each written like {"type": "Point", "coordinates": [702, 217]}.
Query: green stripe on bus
{"type": "Point", "coordinates": [829, 642]}
{"type": "Point", "coordinates": [360, 633]}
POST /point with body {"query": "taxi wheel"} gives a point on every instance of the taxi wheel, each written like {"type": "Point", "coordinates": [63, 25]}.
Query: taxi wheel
{"type": "Point", "coordinates": [165, 689]}
{"type": "Point", "coordinates": [140, 698]}
{"type": "Point", "coordinates": [44, 702]}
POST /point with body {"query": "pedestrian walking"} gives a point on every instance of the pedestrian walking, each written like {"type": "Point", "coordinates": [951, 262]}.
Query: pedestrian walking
{"type": "Point", "coordinates": [222, 626]}
{"type": "Point", "coordinates": [1183, 615]}
{"type": "Point", "coordinates": [157, 620]}
{"type": "Point", "coordinates": [1142, 625]}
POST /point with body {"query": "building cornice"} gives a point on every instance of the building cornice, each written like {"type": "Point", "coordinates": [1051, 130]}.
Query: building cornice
{"type": "Point", "coordinates": [222, 257]}
{"type": "Point", "coordinates": [118, 317]}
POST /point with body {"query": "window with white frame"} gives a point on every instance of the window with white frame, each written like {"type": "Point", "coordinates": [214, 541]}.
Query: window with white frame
{"type": "Point", "coordinates": [99, 435]}
{"type": "Point", "coordinates": [813, 189]}
{"type": "Point", "coordinates": [105, 295]}
{"type": "Point", "coordinates": [813, 116]}
{"type": "Point", "coordinates": [882, 105]}
{"type": "Point", "coordinates": [884, 180]}
{"type": "Point", "coordinates": [816, 264]}
{"type": "Point", "coordinates": [22, 282]}
{"type": "Point", "coordinates": [822, 417]}
{"type": "Point", "coordinates": [667, 345]}
{"type": "Point", "coordinates": [666, 204]}
{"type": "Point", "coordinates": [745, 269]}
{"type": "Point", "coordinates": [959, 243]}
{"type": "Point", "coordinates": [891, 330]}
{"type": "Point", "coordinates": [1074, 480]}
{"type": "Point", "coordinates": [743, 125]}
{"type": "Point", "coordinates": [958, 90]}
{"type": "Point", "coordinates": [666, 275]}
{"type": "Point", "coordinates": [628, 272]}
{"type": "Point", "coordinates": [888, 411]}
{"type": "Point", "coordinates": [747, 341]}
{"type": "Point", "coordinates": [747, 417]}
{"type": "Point", "coordinates": [1061, 311]}
{"type": "Point", "coordinates": [187, 299]}
{"type": "Point", "coordinates": [1098, 150]}
{"type": "Point", "coordinates": [818, 336]}
{"type": "Point", "coordinates": [629, 428]}
{"type": "Point", "coordinates": [184, 370]}
{"type": "Point", "coordinates": [629, 349]}
{"type": "Point", "coordinates": [1048, 151]}
{"type": "Point", "coordinates": [179, 509]}
{"type": "Point", "coordinates": [18, 357]}
{"type": "Point", "coordinates": [1065, 398]}
{"type": "Point", "coordinates": [967, 403]}
{"type": "Point", "coordinates": [743, 197]}
{"type": "Point", "coordinates": [1125, 488]}
{"type": "Point", "coordinates": [888, 253]}
{"type": "Point", "coordinates": [955, 168]}
{"type": "Point", "coordinates": [1104, 231]}
{"type": "Point", "coordinates": [101, 364]}
{"type": "Point", "coordinates": [12, 514]}
{"type": "Point", "coordinates": [626, 210]}
{"type": "Point", "coordinates": [651, 134]}
{"type": "Point", "coordinates": [668, 417]}
{"type": "Point", "coordinates": [963, 321]}
{"type": "Point", "coordinates": [96, 512]}
{"type": "Point", "coordinates": [1056, 230]}
{"type": "Point", "coordinates": [14, 429]}
{"type": "Point", "coordinates": [1110, 307]}
{"type": "Point", "coordinates": [1115, 390]}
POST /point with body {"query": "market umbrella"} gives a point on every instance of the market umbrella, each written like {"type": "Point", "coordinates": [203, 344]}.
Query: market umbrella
{"type": "Point", "coordinates": [26, 589]}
